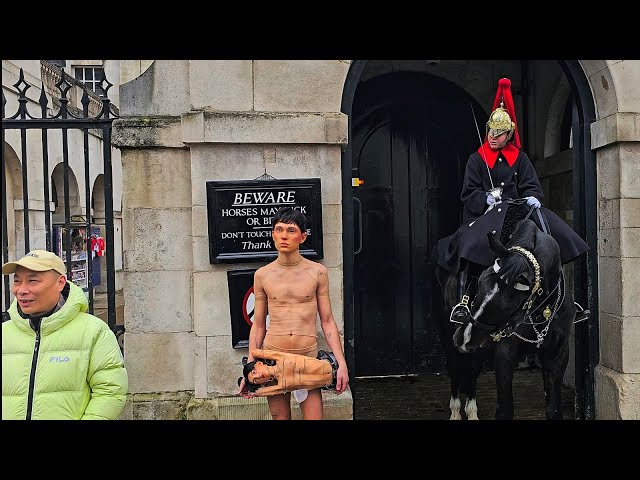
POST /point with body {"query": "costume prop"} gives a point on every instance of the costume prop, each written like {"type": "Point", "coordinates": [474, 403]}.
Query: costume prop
{"type": "Point", "coordinates": [289, 371]}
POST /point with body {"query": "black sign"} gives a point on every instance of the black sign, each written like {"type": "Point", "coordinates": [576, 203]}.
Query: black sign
{"type": "Point", "coordinates": [241, 305]}
{"type": "Point", "coordinates": [240, 212]}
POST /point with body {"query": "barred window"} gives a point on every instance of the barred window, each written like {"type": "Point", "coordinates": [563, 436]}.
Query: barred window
{"type": "Point", "coordinates": [91, 77]}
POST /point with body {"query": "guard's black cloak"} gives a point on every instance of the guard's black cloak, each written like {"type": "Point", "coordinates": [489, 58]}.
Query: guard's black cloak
{"type": "Point", "coordinates": [513, 171]}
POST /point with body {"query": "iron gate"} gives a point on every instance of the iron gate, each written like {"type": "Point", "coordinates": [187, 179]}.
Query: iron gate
{"type": "Point", "coordinates": [97, 114]}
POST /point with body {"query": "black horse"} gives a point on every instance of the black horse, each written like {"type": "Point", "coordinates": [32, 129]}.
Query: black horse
{"type": "Point", "coordinates": [522, 307]}
{"type": "Point", "coordinates": [464, 367]}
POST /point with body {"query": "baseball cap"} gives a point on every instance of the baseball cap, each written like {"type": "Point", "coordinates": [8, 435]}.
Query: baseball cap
{"type": "Point", "coordinates": [38, 261]}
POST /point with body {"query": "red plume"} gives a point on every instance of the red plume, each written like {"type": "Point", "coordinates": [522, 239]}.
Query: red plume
{"type": "Point", "coordinates": [504, 90]}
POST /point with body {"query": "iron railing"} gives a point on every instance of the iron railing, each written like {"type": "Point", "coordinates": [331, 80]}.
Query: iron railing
{"type": "Point", "coordinates": [97, 114]}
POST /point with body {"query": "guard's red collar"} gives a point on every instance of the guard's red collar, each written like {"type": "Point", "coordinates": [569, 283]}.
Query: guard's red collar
{"type": "Point", "coordinates": [509, 152]}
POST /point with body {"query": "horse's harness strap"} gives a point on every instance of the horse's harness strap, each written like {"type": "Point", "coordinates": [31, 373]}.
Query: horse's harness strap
{"type": "Point", "coordinates": [548, 314]}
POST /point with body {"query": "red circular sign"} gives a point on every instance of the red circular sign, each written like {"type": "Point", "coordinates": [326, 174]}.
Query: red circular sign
{"type": "Point", "coordinates": [248, 306]}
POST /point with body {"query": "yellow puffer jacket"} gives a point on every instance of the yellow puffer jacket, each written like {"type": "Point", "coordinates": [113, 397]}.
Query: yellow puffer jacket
{"type": "Point", "coordinates": [72, 368]}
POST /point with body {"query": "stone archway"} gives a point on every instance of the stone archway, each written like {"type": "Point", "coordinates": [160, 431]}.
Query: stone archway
{"type": "Point", "coordinates": [13, 192]}
{"type": "Point", "coordinates": [57, 192]}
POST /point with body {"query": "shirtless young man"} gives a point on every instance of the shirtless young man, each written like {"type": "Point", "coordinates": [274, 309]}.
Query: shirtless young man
{"type": "Point", "coordinates": [294, 290]}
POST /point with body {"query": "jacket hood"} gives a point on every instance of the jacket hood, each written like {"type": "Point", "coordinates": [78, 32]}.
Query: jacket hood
{"type": "Point", "coordinates": [75, 303]}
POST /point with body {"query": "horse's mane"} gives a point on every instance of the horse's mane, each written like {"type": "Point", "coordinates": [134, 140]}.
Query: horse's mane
{"type": "Point", "coordinates": [515, 213]}
{"type": "Point", "coordinates": [527, 235]}
{"type": "Point", "coordinates": [523, 236]}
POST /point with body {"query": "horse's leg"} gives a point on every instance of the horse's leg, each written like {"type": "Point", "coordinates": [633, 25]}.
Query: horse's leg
{"type": "Point", "coordinates": [553, 368]}
{"type": "Point", "coordinates": [504, 365]}
{"type": "Point", "coordinates": [447, 284]}
{"type": "Point", "coordinates": [454, 369]}
{"type": "Point", "coordinates": [472, 367]}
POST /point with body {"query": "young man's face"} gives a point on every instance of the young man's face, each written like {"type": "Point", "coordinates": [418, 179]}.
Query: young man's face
{"type": "Point", "coordinates": [37, 292]}
{"type": "Point", "coordinates": [287, 237]}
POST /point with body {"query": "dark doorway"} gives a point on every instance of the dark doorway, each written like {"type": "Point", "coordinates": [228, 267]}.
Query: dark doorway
{"type": "Point", "coordinates": [412, 135]}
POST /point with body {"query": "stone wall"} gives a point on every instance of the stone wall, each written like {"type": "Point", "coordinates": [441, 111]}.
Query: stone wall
{"type": "Point", "coordinates": [185, 123]}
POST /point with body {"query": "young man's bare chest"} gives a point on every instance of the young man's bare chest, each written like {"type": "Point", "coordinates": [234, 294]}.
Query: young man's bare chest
{"type": "Point", "coordinates": [290, 284]}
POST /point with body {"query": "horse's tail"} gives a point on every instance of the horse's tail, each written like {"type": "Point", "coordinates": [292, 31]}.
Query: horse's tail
{"type": "Point", "coordinates": [446, 282]}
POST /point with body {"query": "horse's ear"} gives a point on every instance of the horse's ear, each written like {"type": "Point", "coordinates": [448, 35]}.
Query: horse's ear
{"type": "Point", "coordinates": [495, 245]}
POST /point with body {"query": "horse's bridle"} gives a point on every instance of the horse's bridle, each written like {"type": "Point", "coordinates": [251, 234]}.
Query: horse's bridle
{"type": "Point", "coordinates": [537, 289]}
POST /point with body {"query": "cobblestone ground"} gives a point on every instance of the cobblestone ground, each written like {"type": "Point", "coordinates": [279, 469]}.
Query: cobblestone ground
{"type": "Point", "coordinates": [426, 397]}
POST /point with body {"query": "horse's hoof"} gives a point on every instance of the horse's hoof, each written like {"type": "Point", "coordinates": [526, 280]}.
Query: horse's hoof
{"type": "Point", "coordinates": [454, 405]}
{"type": "Point", "coordinates": [471, 409]}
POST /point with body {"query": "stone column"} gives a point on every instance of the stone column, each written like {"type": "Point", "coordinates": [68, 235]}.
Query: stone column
{"type": "Point", "coordinates": [617, 141]}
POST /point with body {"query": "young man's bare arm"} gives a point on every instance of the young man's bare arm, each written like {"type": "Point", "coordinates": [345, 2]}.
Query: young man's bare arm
{"type": "Point", "coordinates": [330, 330]}
{"type": "Point", "coordinates": [259, 326]}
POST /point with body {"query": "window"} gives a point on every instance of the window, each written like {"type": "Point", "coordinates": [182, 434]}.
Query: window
{"type": "Point", "coordinates": [91, 77]}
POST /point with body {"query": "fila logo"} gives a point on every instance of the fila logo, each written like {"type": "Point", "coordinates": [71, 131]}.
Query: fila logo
{"type": "Point", "coordinates": [59, 359]}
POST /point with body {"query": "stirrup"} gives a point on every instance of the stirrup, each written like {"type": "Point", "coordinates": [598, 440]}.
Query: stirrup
{"type": "Point", "coordinates": [581, 313]}
{"type": "Point", "coordinates": [463, 305]}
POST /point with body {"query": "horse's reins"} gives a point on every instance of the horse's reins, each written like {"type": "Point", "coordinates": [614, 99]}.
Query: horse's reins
{"type": "Point", "coordinates": [543, 220]}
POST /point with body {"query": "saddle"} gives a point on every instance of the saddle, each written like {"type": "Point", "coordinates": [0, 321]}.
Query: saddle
{"type": "Point", "coordinates": [292, 372]}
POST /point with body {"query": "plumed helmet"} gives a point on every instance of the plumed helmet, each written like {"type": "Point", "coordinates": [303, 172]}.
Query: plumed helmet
{"type": "Point", "coordinates": [500, 122]}
{"type": "Point", "coordinates": [503, 115]}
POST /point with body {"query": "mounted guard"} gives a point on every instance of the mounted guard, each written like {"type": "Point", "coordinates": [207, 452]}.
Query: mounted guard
{"type": "Point", "coordinates": [497, 174]}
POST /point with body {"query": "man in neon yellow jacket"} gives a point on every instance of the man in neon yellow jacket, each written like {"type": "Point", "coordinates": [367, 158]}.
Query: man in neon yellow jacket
{"type": "Point", "coordinates": [58, 362]}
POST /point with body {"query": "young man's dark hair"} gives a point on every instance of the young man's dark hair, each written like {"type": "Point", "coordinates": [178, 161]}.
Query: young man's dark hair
{"type": "Point", "coordinates": [290, 215]}
{"type": "Point", "coordinates": [248, 368]}
{"type": "Point", "coordinates": [245, 371]}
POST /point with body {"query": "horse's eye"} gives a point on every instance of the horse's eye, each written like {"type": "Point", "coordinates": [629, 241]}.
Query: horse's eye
{"type": "Point", "coordinates": [522, 279]}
